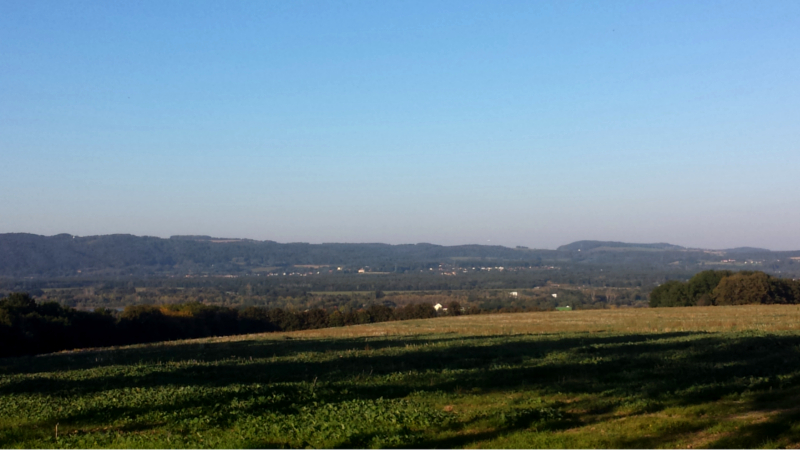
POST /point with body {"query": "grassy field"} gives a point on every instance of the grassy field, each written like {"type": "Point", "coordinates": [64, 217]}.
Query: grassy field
{"type": "Point", "coordinates": [674, 377]}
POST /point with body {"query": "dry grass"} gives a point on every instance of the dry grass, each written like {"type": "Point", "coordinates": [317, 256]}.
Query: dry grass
{"type": "Point", "coordinates": [765, 318]}
{"type": "Point", "coordinates": [646, 320]}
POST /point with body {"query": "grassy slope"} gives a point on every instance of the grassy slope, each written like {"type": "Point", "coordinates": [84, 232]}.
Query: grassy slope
{"type": "Point", "coordinates": [699, 377]}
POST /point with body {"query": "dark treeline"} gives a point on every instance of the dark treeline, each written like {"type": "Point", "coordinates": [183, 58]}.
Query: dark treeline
{"type": "Point", "coordinates": [724, 287]}
{"type": "Point", "coordinates": [28, 327]}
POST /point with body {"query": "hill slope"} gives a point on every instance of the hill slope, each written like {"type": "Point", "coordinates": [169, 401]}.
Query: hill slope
{"type": "Point", "coordinates": [582, 379]}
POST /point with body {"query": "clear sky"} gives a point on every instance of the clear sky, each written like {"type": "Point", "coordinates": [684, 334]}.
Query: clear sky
{"type": "Point", "coordinates": [492, 122]}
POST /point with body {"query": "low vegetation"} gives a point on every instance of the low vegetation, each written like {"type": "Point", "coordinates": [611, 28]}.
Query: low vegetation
{"type": "Point", "coordinates": [28, 326]}
{"type": "Point", "coordinates": [677, 377]}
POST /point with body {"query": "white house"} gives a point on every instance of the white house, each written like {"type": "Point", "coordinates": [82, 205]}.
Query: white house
{"type": "Point", "coordinates": [437, 307]}
{"type": "Point", "coordinates": [513, 294]}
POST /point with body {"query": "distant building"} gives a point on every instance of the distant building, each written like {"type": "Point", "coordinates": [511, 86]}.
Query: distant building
{"type": "Point", "coordinates": [513, 294]}
{"type": "Point", "coordinates": [437, 307]}
{"type": "Point", "coordinates": [554, 295]}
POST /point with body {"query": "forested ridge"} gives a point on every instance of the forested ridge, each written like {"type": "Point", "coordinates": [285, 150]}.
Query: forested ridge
{"type": "Point", "coordinates": [29, 255]}
{"type": "Point", "coordinates": [65, 255]}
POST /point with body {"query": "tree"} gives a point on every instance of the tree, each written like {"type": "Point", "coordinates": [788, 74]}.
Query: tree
{"type": "Point", "coordinates": [671, 293]}
{"type": "Point", "coordinates": [454, 308]}
{"type": "Point", "coordinates": [336, 319]}
{"type": "Point", "coordinates": [18, 303]}
{"type": "Point", "coordinates": [316, 318]}
{"type": "Point", "coordinates": [742, 289]}
{"type": "Point", "coordinates": [700, 286]}
{"type": "Point", "coordinates": [379, 313]}
{"type": "Point", "coordinates": [255, 320]}
{"type": "Point", "coordinates": [146, 323]}
{"type": "Point", "coordinates": [755, 288]}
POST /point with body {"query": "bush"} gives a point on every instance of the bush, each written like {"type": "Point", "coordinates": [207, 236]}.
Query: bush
{"type": "Point", "coordinates": [723, 287]}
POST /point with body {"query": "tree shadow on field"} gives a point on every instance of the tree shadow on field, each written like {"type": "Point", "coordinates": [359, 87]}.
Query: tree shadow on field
{"type": "Point", "coordinates": [206, 350]}
{"type": "Point", "coordinates": [655, 371]}
{"type": "Point", "coordinates": [225, 363]}
{"type": "Point", "coordinates": [781, 429]}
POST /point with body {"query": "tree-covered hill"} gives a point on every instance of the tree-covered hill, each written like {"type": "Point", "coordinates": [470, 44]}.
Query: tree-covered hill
{"type": "Point", "coordinates": [24, 254]}
{"type": "Point", "coordinates": [597, 245]}
{"type": "Point", "coordinates": [64, 255]}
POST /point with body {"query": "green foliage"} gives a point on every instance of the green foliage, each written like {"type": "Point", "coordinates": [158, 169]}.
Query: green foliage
{"type": "Point", "coordinates": [755, 288]}
{"type": "Point", "coordinates": [697, 291]}
{"type": "Point", "coordinates": [723, 287]}
{"type": "Point", "coordinates": [671, 293]}
{"type": "Point", "coordinates": [30, 327]}
{"type": "Point", "coordinates": [27, 327]}
{"type": "Point", "coordinates": [700, 286]}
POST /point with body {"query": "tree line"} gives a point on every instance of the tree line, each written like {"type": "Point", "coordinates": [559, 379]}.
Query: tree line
{"type": "Point", "coordinates": [28, 327]}
{"type": "Point", "coordinates": [724, 287]}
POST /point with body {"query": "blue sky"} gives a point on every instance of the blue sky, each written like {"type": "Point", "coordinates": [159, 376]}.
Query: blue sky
{"type": "Point", "coordinates": [515, 123]}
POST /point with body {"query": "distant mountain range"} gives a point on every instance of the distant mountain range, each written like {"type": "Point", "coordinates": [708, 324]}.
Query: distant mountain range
{"type": "Point", "coordinates": [30, 255]}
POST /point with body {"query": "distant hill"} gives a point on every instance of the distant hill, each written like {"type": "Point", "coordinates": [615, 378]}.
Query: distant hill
{"type": "Point", "coordinates": [63, 255]}
{"type": "Point", "coordinates": [24, 254]}
{"type": "Point", "coordinates": [593, 245]}
{"type": "Point", "coordinates": [747, 250]}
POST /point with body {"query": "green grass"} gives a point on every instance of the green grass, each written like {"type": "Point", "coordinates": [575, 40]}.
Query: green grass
{"type": "Point", "coordinates": [565, 389]}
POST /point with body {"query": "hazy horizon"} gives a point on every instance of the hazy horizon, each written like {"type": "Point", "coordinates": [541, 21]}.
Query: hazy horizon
{"type": "Point", "coordinates": [513, 123]}
{"type": "Point", "coordinates": [389, 243]}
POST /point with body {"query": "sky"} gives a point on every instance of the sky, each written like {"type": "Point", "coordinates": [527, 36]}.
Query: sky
{"type": "Point", "coordinates": [532, 123]}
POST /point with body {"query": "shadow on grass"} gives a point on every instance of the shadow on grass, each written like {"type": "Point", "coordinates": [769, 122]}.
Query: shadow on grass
{"type": "Point", "coordinates": [653, 370]}
{"type": "Point", "coordinates": [225, 363]}
{"type": "Point", "coordinates": [780, 429]}
{"type": "Point", "coordinates": [260, 346]}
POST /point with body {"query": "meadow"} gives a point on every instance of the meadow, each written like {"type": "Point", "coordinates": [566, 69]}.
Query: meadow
{"type": "Point", "coordinates": [716, 377]}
